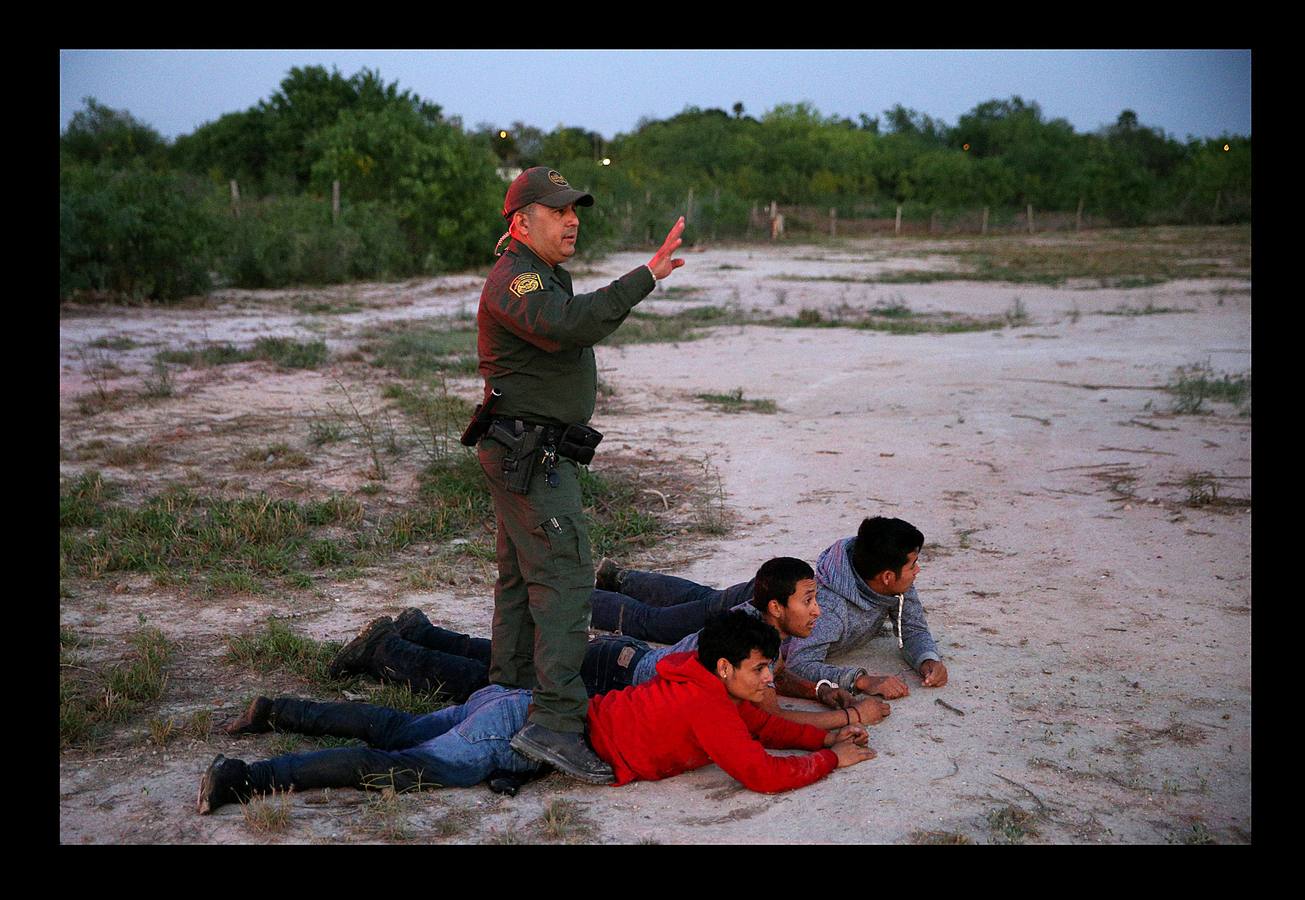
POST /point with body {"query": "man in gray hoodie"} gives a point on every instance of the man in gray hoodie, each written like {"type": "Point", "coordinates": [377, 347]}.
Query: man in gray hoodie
{"type": "Point", "coordinates": [862, 582]}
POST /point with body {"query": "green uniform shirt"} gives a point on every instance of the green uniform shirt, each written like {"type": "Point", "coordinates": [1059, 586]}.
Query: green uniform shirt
{"type": "Point", "coordinates": [536, 338]}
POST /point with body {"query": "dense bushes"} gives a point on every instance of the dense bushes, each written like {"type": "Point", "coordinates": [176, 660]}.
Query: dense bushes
{"type": "Point", "coordinates": [132, 233]}
{"type": "Point", "coordinates": [419, 195]}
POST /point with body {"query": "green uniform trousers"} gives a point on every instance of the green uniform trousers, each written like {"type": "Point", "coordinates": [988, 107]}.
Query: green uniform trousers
{"type": "Point", "coordinates": [541, 598]}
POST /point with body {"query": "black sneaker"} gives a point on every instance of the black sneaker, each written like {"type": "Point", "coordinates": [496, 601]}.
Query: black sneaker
{"type": "Point", "coordinates": [565, 751]}
{"type": "Point", "coordinates": [225, 781]}
{"type": "Point", "coordinates": [408, 621]}
{"type": "Point", "coordinates": [256, 719]}
{"type": "Point", "coordinates": [356, 656]}
{"type": "Point", "coordinates": [608, 576]}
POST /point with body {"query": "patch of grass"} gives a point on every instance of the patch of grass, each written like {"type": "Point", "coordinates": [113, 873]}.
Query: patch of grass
{"type": "Point", "coordinates": [939, 837]}
{"type": "Point", "coordinates": [90, 699]}
{"type": "Point", "coordinates": [163, 731]}
{"type": "Point", "coordinates": [278, 648]}
{"type": "Point", "coordinates": [711, 515]}
{"type": "Point", "coordinates": [733, 402]}
{"type": "Point", "coordinates": [1196, 833]}
{"type": "Point", "coordinates": [440, 415]}
{"type": "Point", "coordinates": [268, 814]}
{"type": "Point", "coordinates": [312, 306]}
{"type": "Point", "coordinates": [1017, 314]}
{"type": "Point", "coordinates": [676, 292]}
{"type": "Point", "coordinates": [158, 384]}
{"type": "Point", "coordinates": [403, 697]}
{"type": "Point", "coordinates": [563, 819]}
{"type": "Point", "coordinates": [1011, 824]}
{"type": "Point", "coordinates": [1203, 490]}
{"type": "Point", "coordinates": [212, 355]}
{"type": "Point", "coordinates": [178, 534]}
{"type": "Point", "coordinates": [118, 342]}
{"type": "Point", "coordinates": [200, 725]}
{"type": "Point", "coordinates": [284, 352]}
{"type": "Point", "coordinates": [123, 455]}
{"type": "Point", "coordinates": [452, 823]}
{"type": "Point", "coordinates": [419, 350]}
{"type": "Point", "coordinates": [227, 581]}
{"type": "Point", "coordinates": [1149, 310]}
{"type": "Point", "coordinates": [616, 519]}
{"type": "Point", "coordinates": [648, 328]}
{"type": "Point", "coordinates": [325, 431]}
{"type": "Point", "coordinates": [1193, 385]}
{"type": "Point", "coordinates": [276, 456]}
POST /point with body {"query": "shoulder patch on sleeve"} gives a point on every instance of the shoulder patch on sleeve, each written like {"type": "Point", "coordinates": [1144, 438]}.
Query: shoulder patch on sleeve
{"type": "Point", "coordinates": [525, 283]}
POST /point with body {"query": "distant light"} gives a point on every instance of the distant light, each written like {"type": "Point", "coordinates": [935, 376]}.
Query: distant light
{"type": "Point", "coordinates": [503, 135]}
{"type": "Point", "coordinates": [606, 161]}
{"type": "Point", "coordinates": [1226, 148]}
{"type": "Point", "coordinates": [965, 146]}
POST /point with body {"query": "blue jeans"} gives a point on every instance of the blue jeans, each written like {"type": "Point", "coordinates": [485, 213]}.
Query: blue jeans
{"type": "Point", "coordinates": [662, 608]}
{"type": "Point", "coordinates": [457, 746]}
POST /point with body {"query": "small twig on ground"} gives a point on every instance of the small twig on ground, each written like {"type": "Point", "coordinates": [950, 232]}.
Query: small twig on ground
{"type": "Point", "coordinates": [956, 767]}
{"type": "Point", "coordinates": [1046, 422]}
{"type": "Point", "coordinates": [666, 505]}
{"type": "Point", "coordinates": [1128, 450]}
{"type": "Point", "coordinates": [945, 705]}
{"type": "Point", "coordinates": [1042, 807]}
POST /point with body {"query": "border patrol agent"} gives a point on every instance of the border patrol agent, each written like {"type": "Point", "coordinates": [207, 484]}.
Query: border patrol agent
{"type": "Point", "coordinates": [535, 341]}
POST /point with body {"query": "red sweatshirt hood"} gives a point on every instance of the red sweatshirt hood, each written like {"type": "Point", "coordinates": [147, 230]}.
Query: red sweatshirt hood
{"type": "Point", "coordinates": [684, 668]}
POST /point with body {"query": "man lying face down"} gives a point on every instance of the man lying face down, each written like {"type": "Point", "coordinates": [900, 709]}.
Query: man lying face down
{"type": "Point", "coordinates": [700, 708]}
{"type": "Point", "coordinates": [414, 651]}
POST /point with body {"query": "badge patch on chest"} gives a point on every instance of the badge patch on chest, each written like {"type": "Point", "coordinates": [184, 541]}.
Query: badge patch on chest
{"type": "Point", "coordinates": [525, 283]}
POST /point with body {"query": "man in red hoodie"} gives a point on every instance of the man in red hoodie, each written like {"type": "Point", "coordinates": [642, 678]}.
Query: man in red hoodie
{"type": "Point", "coordinates": [701, 708]}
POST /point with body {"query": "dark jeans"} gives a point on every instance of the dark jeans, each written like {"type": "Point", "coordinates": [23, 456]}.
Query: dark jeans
{"type": "Point", "coordinates": [609, 663]}
{"type": "Point", "coordinates": [457, 746]}
{"type": "Point", "coordinates": [434, 658]}
{"type": "Point", "coordinates": [662, 608]}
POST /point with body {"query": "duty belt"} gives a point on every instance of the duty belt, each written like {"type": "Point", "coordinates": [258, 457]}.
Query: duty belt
{"type": "Point", "coordinates": [550, 435]}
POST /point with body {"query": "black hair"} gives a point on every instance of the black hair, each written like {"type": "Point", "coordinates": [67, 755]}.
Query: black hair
{"type": "Point", "coordinates": [733, 636]}
{"type": "Point", "coordinates": [883, 543]}
{"type": "Point", "coordinates": [777, 579]}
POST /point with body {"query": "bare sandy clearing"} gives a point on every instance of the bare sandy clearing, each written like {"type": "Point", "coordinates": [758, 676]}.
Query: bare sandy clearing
{"type": "Point", "coordinates": [1096, 625]}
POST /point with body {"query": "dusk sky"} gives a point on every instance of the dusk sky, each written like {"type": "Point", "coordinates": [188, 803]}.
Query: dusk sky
{"type": "Point", "coordinates": [1200, 93]}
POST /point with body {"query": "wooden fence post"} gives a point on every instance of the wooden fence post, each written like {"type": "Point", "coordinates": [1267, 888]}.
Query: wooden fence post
{"type": "Point", "coordinates": [235, 198]}
{"type": "Point", "coordinates": [897, 229]}
{"type": "Point", "coordinates": [933, 221]}
{"type": "Point", "coordinates": [1030, 214]}
{"type": "Point", "coordinates": [983, 229]}
{"type": "Point", "coordinates": [335, 201]}
{"type": "Point", "coordinates": [1218, 195]}
{"type": "Point", "coordinates": [1078, 216]}
{"type": "Point", "coordinates": [833, 222]}
{"type": "Point", "coordinates": [688, 208]}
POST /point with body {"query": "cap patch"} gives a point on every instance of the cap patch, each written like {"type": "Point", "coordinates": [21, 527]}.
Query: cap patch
{"type": "Point", "coordinates": [525, 283]}
{"type": "Point", "coordinates": [556, 178]}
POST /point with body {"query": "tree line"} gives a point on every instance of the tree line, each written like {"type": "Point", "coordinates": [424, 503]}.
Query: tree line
{"type": "Point", "coordinates": [143, 217]}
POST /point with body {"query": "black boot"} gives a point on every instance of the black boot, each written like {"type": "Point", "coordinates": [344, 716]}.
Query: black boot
{"type": "Point", "coordinates": [225, 781]}
{"type": "Point", "coordinates": [356, 655]}
{"type": "Point", "coordinates": [564, 750]}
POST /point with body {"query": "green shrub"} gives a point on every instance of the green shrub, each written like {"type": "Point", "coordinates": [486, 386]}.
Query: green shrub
{"type": "Point", "coordinates": [132, 233]}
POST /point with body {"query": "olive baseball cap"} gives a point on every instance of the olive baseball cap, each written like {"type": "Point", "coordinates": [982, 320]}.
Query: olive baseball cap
{"type": "Point", "coordinates": [541, 184]}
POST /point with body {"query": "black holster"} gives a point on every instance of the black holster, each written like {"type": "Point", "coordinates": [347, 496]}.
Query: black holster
{"type": "Point", "coordinates": [522, 456]}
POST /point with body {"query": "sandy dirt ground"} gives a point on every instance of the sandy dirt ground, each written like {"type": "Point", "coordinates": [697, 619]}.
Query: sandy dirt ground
{"type": "Point", "coordinates": [1094, 620]}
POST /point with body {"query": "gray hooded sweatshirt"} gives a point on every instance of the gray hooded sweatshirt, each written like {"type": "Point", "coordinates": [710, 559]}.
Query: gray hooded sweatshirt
{"type": "Point", "coordinates": [850, 612]}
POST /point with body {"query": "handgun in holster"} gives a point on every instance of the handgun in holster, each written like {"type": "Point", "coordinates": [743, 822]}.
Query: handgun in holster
{"type": "Point", "coordinates": [522, 456]}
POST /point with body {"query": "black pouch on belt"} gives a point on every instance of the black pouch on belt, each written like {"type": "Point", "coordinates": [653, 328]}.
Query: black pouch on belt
{"type": "Point", "coordinates": [578, 443]}
{"type": "Point", "coordinates": [520, 460]}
